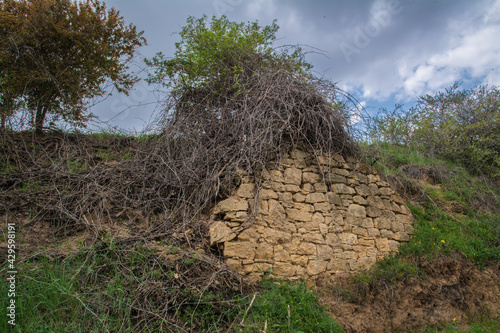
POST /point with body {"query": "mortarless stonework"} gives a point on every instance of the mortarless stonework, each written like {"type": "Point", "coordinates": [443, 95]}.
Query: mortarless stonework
{"type": "Point", "coordinates": [313, 215]}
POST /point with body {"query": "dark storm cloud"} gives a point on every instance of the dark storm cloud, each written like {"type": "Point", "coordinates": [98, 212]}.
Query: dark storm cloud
{"type": "Point", "coordinates": [383, 50]}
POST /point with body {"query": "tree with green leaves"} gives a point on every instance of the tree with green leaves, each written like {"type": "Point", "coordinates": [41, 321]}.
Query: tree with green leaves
{"type": "Point", "coordinates": [56, 55]}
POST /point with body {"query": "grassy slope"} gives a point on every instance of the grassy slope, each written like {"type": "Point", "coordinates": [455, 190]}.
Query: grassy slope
{"type": "Point", "coordinates": [105, 287]}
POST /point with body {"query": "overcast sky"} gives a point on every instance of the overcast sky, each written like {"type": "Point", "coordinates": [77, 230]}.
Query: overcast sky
{"type": "Point", "coordinates": [383, 52]}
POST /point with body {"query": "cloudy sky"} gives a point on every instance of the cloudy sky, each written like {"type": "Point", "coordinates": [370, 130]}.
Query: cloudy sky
{"type": "Point", "coordinates": [383, 52]}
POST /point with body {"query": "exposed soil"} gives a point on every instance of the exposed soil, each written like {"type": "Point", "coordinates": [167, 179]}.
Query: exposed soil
{"type": "Point", "coordinates": [453, 291]}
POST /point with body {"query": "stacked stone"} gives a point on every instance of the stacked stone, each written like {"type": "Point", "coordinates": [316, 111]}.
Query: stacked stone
{"type": "Point", "coordinates": [312, 215]}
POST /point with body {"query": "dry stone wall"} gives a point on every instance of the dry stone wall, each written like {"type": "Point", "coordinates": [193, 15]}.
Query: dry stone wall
{"type": "Point", "coordinates": [310, 215]}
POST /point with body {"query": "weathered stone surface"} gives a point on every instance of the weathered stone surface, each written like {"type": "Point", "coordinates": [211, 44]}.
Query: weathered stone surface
{"type": "Point", "coordinates": [267, 194]}
{"type": "Point", "coordinates": [301, 229]}
{"type": "Point", "coordinates": [311, 177]}
{"type": "Point", "coordinates": [303, 207]}
{"type": "Point", "coordinates": [264, 251]}
{"type": "Point", "coordinates": [280, 254]}
{"type": "Point", "coordinates": [315, 267]}
{"type": "Point", "coordinates": [314, 238]}
{"type": "Point", "coordinates": [332, 240]}
{"type": "Point", "coordinates": [348, 238]}
{"type": "Point", "coordinates": [276, 210]}
{"type": "Point", "coordinates": [315, 197]}
{"type": "Point", "coordinates": [275, 236]}
{"type": "Point", "coordinates": [299, 197]}
{"type": "Point", "coordinates": [220, 233]}
{"type": "Point", "coordinates": [298, 215]}
{"type": "Point", "coordinates": [230, 205]}
{"type": "Point", "coordinates": [283, 269]}
{"type": "Point", "coordinates": [359, 200]}
{"type": "Point", "coordinates": [238, 249]}
{"type": "Point", "coordinates": [318, 218]}
{"type": "Point", "coordinates": [246, 191]}
{"type": "Point", "coordinates": [356, 211]}
{"type": "Point", "coordinates": [342, 189]}
{"type": "Point", "coordinates": [293, 176]}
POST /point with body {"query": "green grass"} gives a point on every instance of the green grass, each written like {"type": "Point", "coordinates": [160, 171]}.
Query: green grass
{"type": "Point", "coordinates": [287, 307]}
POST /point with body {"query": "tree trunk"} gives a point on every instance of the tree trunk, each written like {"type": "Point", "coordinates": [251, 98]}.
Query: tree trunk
{"type": "Point", "coordinates": [41, 112]}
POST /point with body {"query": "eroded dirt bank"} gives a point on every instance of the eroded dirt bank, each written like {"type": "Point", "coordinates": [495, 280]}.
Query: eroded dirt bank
{"type": "Point", "coordinates": [453, 290]}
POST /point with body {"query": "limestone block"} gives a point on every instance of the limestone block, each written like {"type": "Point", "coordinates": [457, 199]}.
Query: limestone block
{"type": "Point", "coordinates": [315, 197]}
{"type": "Point", "coordinates": [304, 207]}
{"type": "Point", "coordinates": [386, 233]}
{"type": "Point", "coordinates": [292, 188]}
{"type": "Point", "coordinates": [320, 187]}
{"type": "Point", "coordinates": [360, 231]}
{"type": "Point", "coordinates": [348, 238]}
{"type": "Point", "coordinates": [341, 171]}
{"type": "Point", "coordinates": [311, 177]}
{"type": "Point", "coordinates": [280, 254]}
{"type": "Point", "coordinates": [299, 197]}
{"type": "Point", "coordinates": [315, 267]}
{"type": "Point", "coordinates": [334, 265]}
{"type": "Point", "coordinates": [230, 205]}
{"type": "Point", "coordinates": [363, 190]}
{"type": "Point", "coordinates": [239, 249]}
{"type": "Point", "coordinates": [256, 268]}
{"type": "Point", "coordinates": [299, 260]}
{"type": "Point", "coordinates": [325, 252]}
{"type": "Point", "coordinates": [373, 211]}
{"type": "Point", "coordinates": [220, 233]}
{"type": "Point", "coordinates": [318, 218]}
{"type": "Point", "coordinates": [298, 215]}
{"type": "Point", "coordinates": [356, 211]}
{"type": "Point", "coordinates": [305, 248]}
{"type": "Point", "coordinates": [334, 178]}
{"type": "Point", "coordinates": [367, 169]}
{"type": "Point", "coordinates": [405, 210]}
{"type": "Point", "coordinates": [307, 188]}
{"type": "Point", "coordinates": [249, 234]}
{"type": "Point", "coordinates": [397, 199]}
{"type": "Point", "coordinates": [334, 199]}
{"type": "Point", "coordinates": [332, 240]}
{"type": "Point", "coordinates": [285, 197]}
{"type": "Point", "coordinates": [314, 238]}
{"type": "Point", "coordinates": [393, 245]}
{"type": "Point", "coordinates": [234, 264]}
{"type": "Point", "coordinates": [246, 191]}
{"type": "Point", "coordinates": [373, 178]}
{"type": "Point", "coordinates": [298, 154]}
{"type": "Point", "coordinates": [323, 229]}
{"type": "Point", "coordinates": [265, 194]}
{"type": "Point", "coordinates": [276, 210]}
{"type": "Point", "coordinates": [293, 176]}
{"type": "Point", "coordinates": [395, 207]}
{"type": "Point", "coordinates": [366, 242]}
{"type": "Point", "coordinates": [348, 255]}
{"type": "Point", "coordinates": [264, 251]}
{"type": "Point", "coordinates": [382, 223]}
{"type": "Point", "coordinates": [303, 231]}
{"type": "Point", "coordinates": [402, 236]}
{"type": "Point", "coordinates": [352, 182]}
{"type": "Point", "coordinates": [397, 226]}
{"type": "Point", "coordinates": [273, 236]}
{"type": "Point", "coordinates": [311, 226]}
{"type": "Point", "coordinates": [382, 244]}
{"type": "Point", "coordinates": [374, 232]}
{"type": "Point", "coordinates": [405, 219]}
{"type": "Point", "coordinates": [342, 189]}
{"type": "Point", "coordinates": [376, 202]}
{"type": "Point", "coordinates": [323, 207]}
{"type": "Point", "coordinates": [364, 263]}
{"type": "Point", "coordinates": [359, 200]}
{"type": "Point", "coordinates": [409, 229]}
{"type": "Point", "coordinates": [283, 269]}
{"type": "Point", "coordinates": [277, 186]}
{"type": "Point", "coordinates": [367, 223]}
{"type": "Point", "coordinates": [240, 216]}
{"type": "Point", "coordinates": [277, 176]}
{"type": "Point", "coordinates": [361, 178]}
{"type": "Point", "coordinates": [338, 158]}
